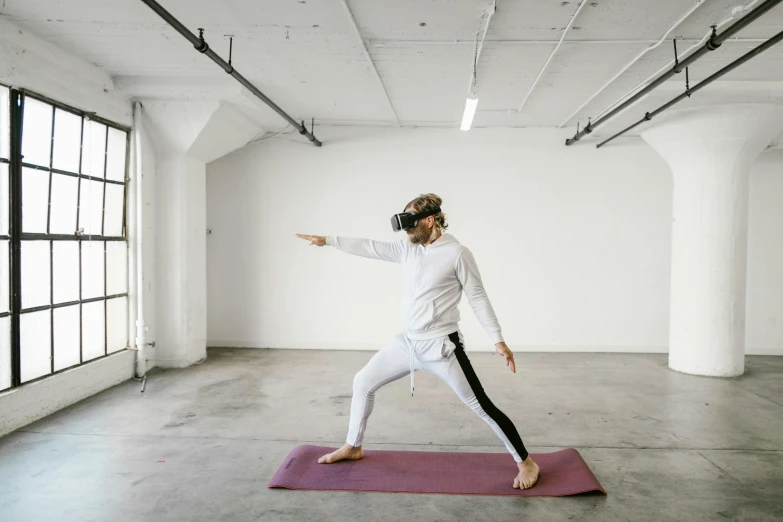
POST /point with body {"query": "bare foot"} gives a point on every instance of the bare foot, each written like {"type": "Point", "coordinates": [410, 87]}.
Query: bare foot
{"type": "Point", "coordinates": [347, 452]}
{"type": "Point", "coordinates": [528, 474]}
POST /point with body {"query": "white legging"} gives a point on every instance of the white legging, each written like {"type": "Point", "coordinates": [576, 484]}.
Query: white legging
{"type": "Point", "coordinates": [444, 357]}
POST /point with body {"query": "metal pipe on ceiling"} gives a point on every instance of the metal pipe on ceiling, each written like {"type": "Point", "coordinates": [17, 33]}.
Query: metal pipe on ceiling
{"type": "Point", "coordinates": [713, 43]}
{"type": "Point", "coordinates": [632, 62]}
{"type": "Point", "coordinates": [203, 47]}
{"type": "Point", "coordinates": [699, 43]}
{"type": "Point", "coordinates": [410, 43]}
{"type": "Point", "coordinates": [733, 65]}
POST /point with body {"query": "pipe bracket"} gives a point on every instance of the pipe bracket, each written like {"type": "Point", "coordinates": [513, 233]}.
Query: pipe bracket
{"type": "Point", "coordinates": [711, 43]}
{"type": "Point", "coordinates": [203, 46]}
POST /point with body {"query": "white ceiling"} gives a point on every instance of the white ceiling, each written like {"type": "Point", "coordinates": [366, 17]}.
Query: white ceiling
{"type": "Point", "coordinates": [306, 56]}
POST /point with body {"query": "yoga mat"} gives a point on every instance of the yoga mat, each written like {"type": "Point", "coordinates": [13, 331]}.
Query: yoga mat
{"type": "Point", "coordinates": [562, 473]}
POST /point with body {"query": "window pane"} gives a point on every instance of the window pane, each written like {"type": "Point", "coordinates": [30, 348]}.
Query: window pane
{"type": "Point", "coordinates": [92, 269]}
{"type": "Point", "coordinates": [36, 275]}
{"type": "Point", "coordinates": [5, 123]}
{"type": "Point", "coordinates": [67, 140]}
{"type": "Point", "coordinates": [93, 148]}
{"type": "Point", "coordinates": [5, 281]}
{"type": "Point", "coordinates": [115, 155]}
{"type": "Point", "coordinates": [66, 271]}
{"type": "Point", "coordinates": [91, 207]}
{"type": "Point", "coordinates": [64, 203]}
{"type": "Point", "coordinates": [116, 267]}
{"type": "Point", "coordinates": [4, 201]}
{"type": "Point", "coordinates": [117, 319]}
{"type": "Point", "coordinates": [36, 340]}
{"type": "Point", "coordinates": [66, 337]}
{"type": "Point", "coordinates": [35, 200]}
{"type": "Point", "coordinates": [93, 330]}
{"type": "Point", "coordinates": [5, 353]}
{"type": "Point", "coordinates": [114, 207]}
{"type": "Point", "coordinates": [37, 132]}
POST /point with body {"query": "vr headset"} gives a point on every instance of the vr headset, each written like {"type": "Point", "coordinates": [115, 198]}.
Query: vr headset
{"type": "Point", "coordinates": [408, 220]}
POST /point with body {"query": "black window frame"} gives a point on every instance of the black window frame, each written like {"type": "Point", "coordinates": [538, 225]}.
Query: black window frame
{"type": "Point", "coordinates": [16, 237]}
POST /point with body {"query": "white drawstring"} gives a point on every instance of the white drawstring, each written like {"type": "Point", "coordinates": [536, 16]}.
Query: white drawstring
{"type": "Point", "coordinates": [412, 369]}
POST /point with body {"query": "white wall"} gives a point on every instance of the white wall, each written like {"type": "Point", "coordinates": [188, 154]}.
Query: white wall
{"type": "Point", "coordinates": [764, 315]}
{"type": "Point", "coordinates": [34, 401]}
{"type": "Point", "coordinates": [573, 243]}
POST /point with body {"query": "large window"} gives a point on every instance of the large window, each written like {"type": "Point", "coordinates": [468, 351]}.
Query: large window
{"type": "Point", "coordinates": [63, 242]}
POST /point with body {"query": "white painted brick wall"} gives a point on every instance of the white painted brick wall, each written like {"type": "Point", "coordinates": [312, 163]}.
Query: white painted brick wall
{"type": "Point", "coordinates": [28, 403]}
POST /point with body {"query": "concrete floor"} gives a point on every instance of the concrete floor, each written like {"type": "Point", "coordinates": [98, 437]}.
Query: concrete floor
{"type": "Point", "coordinates": [202, 443]}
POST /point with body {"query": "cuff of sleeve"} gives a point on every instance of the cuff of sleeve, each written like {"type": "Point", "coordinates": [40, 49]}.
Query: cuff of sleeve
{"type": "Point", "coordinates": [496, 337]}
{"type": "Point", "coordinates": [331, 241]}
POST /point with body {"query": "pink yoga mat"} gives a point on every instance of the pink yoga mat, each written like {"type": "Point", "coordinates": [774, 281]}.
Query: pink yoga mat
{"type": "Point", "coordinates": [562, 473]}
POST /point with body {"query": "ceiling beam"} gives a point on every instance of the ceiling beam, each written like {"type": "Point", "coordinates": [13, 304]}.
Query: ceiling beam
{"type": "Point", "coordinates": [369, 59]}
{"type": "Point", "coordinates": [551, 55]}
{"type": "Point", "coordinates": [34, 44]}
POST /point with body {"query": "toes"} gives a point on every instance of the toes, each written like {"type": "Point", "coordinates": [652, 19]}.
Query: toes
{"type": "Point", "coordinates": [530, 483]}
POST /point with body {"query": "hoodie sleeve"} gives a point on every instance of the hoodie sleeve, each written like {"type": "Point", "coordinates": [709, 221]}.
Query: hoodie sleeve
{"type": "Point", "coordinates": [387, 251]}
{"type": "Point", "coordinates": [468, 275]}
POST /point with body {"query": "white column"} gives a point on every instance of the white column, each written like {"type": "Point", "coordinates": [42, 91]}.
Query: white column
{"type": "Point", "coordinates": [186, 136]}
{"type": "Point", "coordinates": [709, 150]}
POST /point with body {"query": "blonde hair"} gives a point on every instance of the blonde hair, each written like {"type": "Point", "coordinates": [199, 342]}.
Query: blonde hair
{"type": "Point", "coordinates": [430, 202]}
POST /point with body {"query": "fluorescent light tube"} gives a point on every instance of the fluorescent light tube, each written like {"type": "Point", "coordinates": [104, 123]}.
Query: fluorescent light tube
{"type": "Point", "coordinates": [470, 111]}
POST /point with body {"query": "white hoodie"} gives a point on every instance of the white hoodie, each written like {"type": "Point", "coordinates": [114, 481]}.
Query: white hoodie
{"type": "Point", "coordinates": [433, 280]}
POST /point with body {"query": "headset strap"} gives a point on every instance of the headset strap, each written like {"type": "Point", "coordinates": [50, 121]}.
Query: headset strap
{"type": "Point", "coordinates": [426, 213]}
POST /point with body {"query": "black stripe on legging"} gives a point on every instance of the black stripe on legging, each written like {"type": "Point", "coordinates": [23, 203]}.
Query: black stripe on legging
{"type": "Point", "coordinates": [498, 416]}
